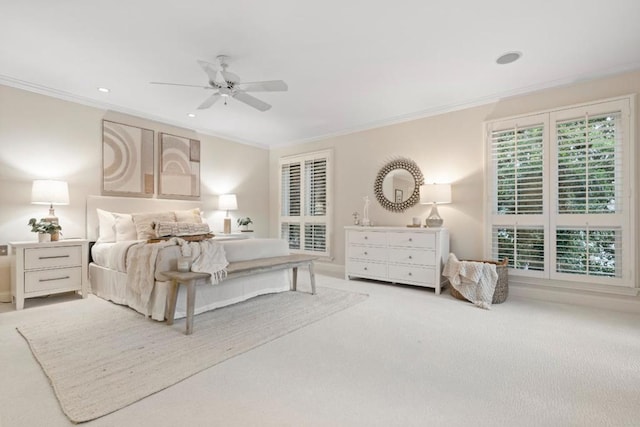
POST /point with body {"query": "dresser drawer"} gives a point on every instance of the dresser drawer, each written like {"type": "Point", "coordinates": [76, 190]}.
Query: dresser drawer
{"type": "Point", "coordinates": [56, 256]}
{"type": "Point", "coordinates": [367, 238]}
{"type": "Point", "coordinates": [48, 280]}
{"type": "Point", "coordinates": [367, 269]}
{"type": "Point", "coordinates": [413, 240]}
{"type": "Point", "coordinates": [369, 253]}
{"type": "Point", "coordinates": [412, 256]}
{"type": "Point", "coordinates": [423, 276]}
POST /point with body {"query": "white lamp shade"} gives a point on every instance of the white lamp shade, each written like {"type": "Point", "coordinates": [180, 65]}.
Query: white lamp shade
{"type": "Point", "coordinates": [435, 193]}
{"type": "Point", "coordinates": [227, 202]}
{"type": "Point", "coordinates": [49, 192]}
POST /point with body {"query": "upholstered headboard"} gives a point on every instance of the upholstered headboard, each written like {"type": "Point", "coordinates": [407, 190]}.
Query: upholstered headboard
{"type": "Point", "coordinates": [129, 205]}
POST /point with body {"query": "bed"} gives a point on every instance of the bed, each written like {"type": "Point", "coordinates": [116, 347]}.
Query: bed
{"type": "Point", "coordinates": [109, 263]}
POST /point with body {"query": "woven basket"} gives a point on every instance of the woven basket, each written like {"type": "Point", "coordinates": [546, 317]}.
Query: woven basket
{"type": "Point", "coordinates": [502, 286]}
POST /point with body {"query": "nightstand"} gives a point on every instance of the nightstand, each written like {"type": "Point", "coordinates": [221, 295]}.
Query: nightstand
{"type": "Point", "coordinates": [39, 269]}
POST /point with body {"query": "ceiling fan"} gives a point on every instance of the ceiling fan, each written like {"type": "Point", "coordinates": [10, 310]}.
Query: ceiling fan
{"type": "Point", "coordinates": [229, 85]}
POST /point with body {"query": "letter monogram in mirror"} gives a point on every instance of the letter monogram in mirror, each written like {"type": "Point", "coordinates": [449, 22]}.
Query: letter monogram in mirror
{"type": "Point", "coordinates": [397, 186]}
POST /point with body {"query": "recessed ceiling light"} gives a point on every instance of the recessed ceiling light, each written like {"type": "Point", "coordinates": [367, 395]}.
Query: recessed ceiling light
{"type": "Point", "coordinates": [103, 90]}
{"type": "Point", "coordinates": [191, 115]}
{"type": "Point", "coordinates": [508, 58]}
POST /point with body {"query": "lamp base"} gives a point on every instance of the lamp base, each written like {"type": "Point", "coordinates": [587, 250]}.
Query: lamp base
{"type": "Point", "coordinates": [227, 226]}
{"type": "Point", "coordinates": [52, 218]}
{"type": "Point", "coordinates": [434, 220]}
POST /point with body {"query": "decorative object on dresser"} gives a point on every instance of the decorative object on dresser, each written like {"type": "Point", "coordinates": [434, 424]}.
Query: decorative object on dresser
{"type": "Point", "coordinates": [227, 202]}
{"type": "Point", "coordinates": [397, 185]}
{"type": "Point", "coordinates": [397, 254]}
{"type": "Point", "coordinates": [435, 194]}
{"type": "Point", "coordinates": [39, 269]}
{"type": "Point", "coordinates": [50, 192]}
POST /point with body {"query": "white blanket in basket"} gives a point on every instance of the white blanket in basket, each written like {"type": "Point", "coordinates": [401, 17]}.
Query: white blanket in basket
{"type": "Point", "coordinates": [476, 281]}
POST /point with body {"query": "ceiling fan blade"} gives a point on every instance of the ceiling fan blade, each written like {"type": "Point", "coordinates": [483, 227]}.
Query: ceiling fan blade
{"type": "Point", "coordinates": [180, 84]}
{"type": "Point", "coordinates": [209, 101]}
{"type": "Point", "coordinates": [268, 86]}
{"type": "Point", "coordinates": [210, 69]}
{"type": "Point", "coordinates": [251, 101]}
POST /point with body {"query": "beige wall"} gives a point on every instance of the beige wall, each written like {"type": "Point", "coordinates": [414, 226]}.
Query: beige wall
{"type": "Point", "coordinates": [447, 148]}
{"type": "Point", "coordinates": [44, 137]}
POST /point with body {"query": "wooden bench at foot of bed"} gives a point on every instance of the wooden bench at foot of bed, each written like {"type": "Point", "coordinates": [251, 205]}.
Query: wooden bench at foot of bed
{"type": "Point", "coordinates": [234, 269]}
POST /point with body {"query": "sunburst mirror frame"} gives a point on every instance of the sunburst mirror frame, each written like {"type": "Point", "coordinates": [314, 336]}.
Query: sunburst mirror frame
{"type": "Point", "coordinates": [399, 163]}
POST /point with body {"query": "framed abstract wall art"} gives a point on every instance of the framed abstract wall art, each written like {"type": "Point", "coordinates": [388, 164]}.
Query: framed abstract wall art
{"type": "Point", "coordinates": [127, 160]}
{"type": "Point", "coordinates": [179, 172]}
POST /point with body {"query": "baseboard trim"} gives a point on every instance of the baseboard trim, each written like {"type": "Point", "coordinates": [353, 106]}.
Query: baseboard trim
{"type": "Point", "coordinates": [571, 296]}
{"type": "Point", "coordinates": [5, 296]}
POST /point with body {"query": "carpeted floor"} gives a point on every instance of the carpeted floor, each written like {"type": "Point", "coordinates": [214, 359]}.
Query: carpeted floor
{"type": "Point", "coordinates": [104, 361]}
{"type": "Point", "coordinates": [403, 357]}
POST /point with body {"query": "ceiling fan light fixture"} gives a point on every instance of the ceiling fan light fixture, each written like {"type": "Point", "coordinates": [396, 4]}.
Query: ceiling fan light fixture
{"type": "Point", "coordinates": [103, 90]}
{"type": "Point", "coordinates": [508, 58]}
{"type": "Point", "coordinates": [191, 115]}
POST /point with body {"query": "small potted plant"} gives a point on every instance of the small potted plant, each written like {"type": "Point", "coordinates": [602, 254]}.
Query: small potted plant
{"type": "Point", "coordinates": [244, 222]}
{"type": "Point", "coordinates": [46, 230]}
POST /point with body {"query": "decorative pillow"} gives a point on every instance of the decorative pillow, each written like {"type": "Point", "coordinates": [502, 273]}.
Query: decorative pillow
{"type": "Point", "coordinates": [144, 223]}
{"type": "Point", "coordinates": [125, 228]}
{"type": "Point", "coordinates": [163, 229]}
{"type": "Point", "coordinates": [106, 226]}
{"type": "Point", "coordinates": [189, 215]}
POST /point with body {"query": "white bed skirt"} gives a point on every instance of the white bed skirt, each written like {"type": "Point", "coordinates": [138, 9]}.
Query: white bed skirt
{"type": "Point", "coordinates": [111, 285]}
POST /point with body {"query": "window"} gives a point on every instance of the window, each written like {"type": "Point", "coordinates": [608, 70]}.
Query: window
{"type": "Point", "coordinates": [305, 204]}
{"type": "Point", "coordinates": [560, 200]}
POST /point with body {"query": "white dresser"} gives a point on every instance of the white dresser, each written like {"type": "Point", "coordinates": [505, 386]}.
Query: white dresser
{"type": "Point", "coordinates": [48, 268]}
{"type": "Point", "coordinates": [413, 256]}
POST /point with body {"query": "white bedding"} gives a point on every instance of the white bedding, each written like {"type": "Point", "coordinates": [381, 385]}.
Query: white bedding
{"type": "Point", "coordinates": [108, 276]}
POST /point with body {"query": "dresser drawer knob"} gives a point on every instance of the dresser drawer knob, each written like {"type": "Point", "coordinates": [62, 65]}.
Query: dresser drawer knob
{"type": "Point", "coordinates": [366, 237]}
{"type": "Point", "coordinates": [365, 269]}
{"type": "Point", "coordinates": [366, 253]}
{"type": "Point", "coordinates": [410, 274]}
{"type": "Point", "coordinates": [410, 257]}
{"type": "Point", "coordinates": [410, 239]}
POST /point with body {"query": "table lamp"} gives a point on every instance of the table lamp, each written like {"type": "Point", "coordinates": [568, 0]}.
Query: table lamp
{"type": "Point", "coordinates": [435, 194]}
{"type": "Point", "coordinates": [227, 202]}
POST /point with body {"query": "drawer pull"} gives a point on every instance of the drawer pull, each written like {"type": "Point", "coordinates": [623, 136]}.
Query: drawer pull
{"type": "Point", "coordinates": [366, 253]}
{"type": "Point", "coordinates": [410, 274]}
{"type": "Point", "coordinates": [410, 239]}
{"type": "Point", "coordinates": [54, 278]}
{"type": "Point", "coordinates": [366, 237]}
{"type": "Point", "coordinates": [410, 257]}
{"type": "Point", "coordinates": [365, 269]}
{"type": "Point", "coordinates": [53, 257]}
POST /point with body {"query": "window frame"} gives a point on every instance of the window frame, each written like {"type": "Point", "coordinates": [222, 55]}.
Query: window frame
{"type": "Point", "coordinates": [303, 219]}
{"type": "Point", "coordinates": [551, 219]}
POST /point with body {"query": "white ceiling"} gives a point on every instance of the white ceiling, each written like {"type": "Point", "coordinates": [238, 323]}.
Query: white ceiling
{"type": "Point", "coordinates": [349, 64]}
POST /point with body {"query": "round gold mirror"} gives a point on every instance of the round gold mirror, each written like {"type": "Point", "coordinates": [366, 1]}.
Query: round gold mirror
{"type": "Point", "coordinates": [397, 186]}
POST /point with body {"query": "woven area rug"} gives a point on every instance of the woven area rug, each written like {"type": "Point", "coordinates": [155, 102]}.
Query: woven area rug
{"type": "Point", "coordinates": [100, 363]}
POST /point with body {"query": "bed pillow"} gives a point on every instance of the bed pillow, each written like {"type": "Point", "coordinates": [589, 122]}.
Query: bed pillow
{"type": "Point", "coordinates": [144, 223]}
{"type": "Point", "coordinates": [125, 228]}
{"type": "Point", "coordinates": [164, 229]}
{"type": "Point", "coordinates": [189, 215]}
{"type": "Point", "coordinates": [106, 226]}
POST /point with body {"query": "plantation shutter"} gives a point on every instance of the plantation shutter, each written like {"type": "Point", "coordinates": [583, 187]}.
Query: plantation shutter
{"type": "Point", "coordinates": [560, 204]}
{"type": "Point", "coordinates": [590, 202]}
{"type": "Point", "coordinates": [305, 202]}
{"type": "Point", "coordinates": [516, 153]}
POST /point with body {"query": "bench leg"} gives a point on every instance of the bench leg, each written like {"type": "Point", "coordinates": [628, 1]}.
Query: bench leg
{"type": "Point", "coordinates": [191, 303]}
{"type": "Point", "coordinates": [170, 311]}
{"type": "Point", "coordinates": [294, 285]}
{"type": "Point", "coordinates": [312, 277]}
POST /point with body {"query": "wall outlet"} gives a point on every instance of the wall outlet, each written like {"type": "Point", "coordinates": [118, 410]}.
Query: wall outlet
{"type": "Point", "coordinates": [4, 250]}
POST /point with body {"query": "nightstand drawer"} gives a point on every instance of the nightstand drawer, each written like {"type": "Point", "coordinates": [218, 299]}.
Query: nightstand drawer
{"type": "Point", "coordinates": [55, 256]}
{"type": "Point", "coordinates": [47, 280]}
